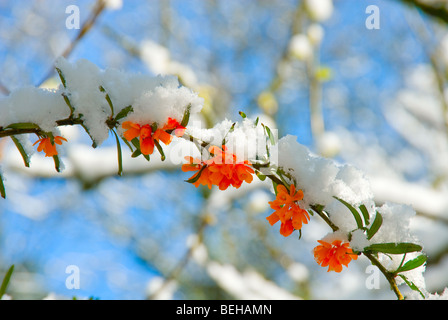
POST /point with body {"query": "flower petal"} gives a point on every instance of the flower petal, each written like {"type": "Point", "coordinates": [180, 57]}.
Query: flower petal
{"type": "Point", "coordinates": [146, 145]}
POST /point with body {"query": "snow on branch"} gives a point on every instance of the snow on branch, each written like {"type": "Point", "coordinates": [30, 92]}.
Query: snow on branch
{"type": "Point", "coordinates": [149, 112]}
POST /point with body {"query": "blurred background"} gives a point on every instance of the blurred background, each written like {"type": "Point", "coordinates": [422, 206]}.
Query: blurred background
{"type": "Point", "coordinates": [359, 84]}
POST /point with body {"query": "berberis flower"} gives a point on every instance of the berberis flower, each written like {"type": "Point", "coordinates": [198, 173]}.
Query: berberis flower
{"type": "Point", "coordinates": [147, 136]}
{"type": "Point", "coordinates": [287, 210]}
{"type": "Point", "coordinates": [47, 146]}
{"type": "Point", "coordinates": [221, 170]}
{"type": "Point", "coordinates": [334, 254]}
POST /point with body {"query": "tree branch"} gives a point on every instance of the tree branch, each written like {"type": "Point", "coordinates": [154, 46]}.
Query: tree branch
{"type": "Point", "coordinates": [435, 9]}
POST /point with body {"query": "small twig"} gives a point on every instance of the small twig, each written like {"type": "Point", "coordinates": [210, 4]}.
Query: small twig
{"type": "Point", "coordinates": [7, 132]}
{"type": "Point", "coordinates": [4, 89]}
{"type": "Point", "coordinates": [174, 274]}
{"type": "Point", "coordinates": [85, 28]}
{"type": "Point", "coordinates": [321, 213]}
{"type": "Point", "coordinates": [389, 276]}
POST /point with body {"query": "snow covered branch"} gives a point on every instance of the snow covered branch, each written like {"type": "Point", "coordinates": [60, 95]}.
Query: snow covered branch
{"type": "Point", "coordinates": [146, 112]}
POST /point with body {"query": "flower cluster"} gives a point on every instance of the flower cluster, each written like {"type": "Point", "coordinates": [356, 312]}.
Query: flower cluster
{"type": "Point", "coordinates": [221, 170]}
{"type": "Point", "coordinates": [149, 134]}
{"type": "Point", "coordinates": [287, 210]}
{"type": "Point", "coordinates": [292, 217]}
{"type": "Point", "coordinates": [48, 146]}
{"type": "Point", "coordinates": [334, 254]}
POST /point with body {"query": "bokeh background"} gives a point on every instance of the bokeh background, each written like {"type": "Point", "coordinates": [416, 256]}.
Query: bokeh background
{"type": "Point", "coordinates": [375, 98]}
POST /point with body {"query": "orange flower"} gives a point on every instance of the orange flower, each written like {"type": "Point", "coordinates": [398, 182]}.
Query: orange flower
{"type": "Point", "coordinates": [173, 124]}
{"type": "Point", "coordinates": [146, 139]}
{"type": "Point", "coordinates": [164, 136]}
{"type": "Point", "coordinates": [334, 255]}
{"type": "Point", "coordinates": [221, 170]}
{"type": "Point", "coordinates": [132, 130]}
{"type": "Point", "coordinates": [48, 147]}
{"type": "Point", "coordinates": [287, 210]}
{"type": "Point", "coordinates": [200, 177]}
{"type": "Point", "coordinates": [147, 136]}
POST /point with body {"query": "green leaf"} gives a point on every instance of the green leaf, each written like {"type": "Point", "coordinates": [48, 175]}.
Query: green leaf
{"type": "Point", "coordinates": [6, 280]}
{"type": "Point", "coordinates": [355, 212]}
{"type": "Point", "coordinates": [136, 143]}
{"type": "Point", "coordinates": [94, 144]}
{"type": "Point", "coordinates": [317, 208]}
{"type": "Point", "coordinates": [412, 264]}
{"type": "Point", "coordinates": [119, 155]}
{"type": "Point", "coordinates": [270, 136]}
{"type": "Point", "coordinates": [23, 126]}
{"type": "Point", "coordinates": [154, 126]}
{"type": "Point", "coordinates": [66, 99]}
{"type": "Point", "coordinates": [57, 163]}
{"type": "Point", "coordinates": [394, 248]}
{"type": "Point", "coordinates": [269, 133]}
{"type": "Point", "coordinates": [281, 174]}
{"type": "Point", "coordinates": [64, 83]}
{"type": "Point", "coordinates": [2, 187]}
{"type": "Point", "coordinates": [136, 153]}
{"type": "Point", "coordinates": [69, 104]}
{"type": "Point", "coordinates": [196, 177]}
{"type": "Point", "coordinates": [128, 144]}
{"type": "Point", "coordinates": [275, 185]}
{"type": "Point", "coordinates": [365, 213]}
{"type": "Point", "coordinates": [25, 157]}
{"type": "Point", "coordinates": [232, 128]}
{"type": "Point", "coordinates": [123, 113]}
{"type": "Point", "coordinates": [186, 117]}
{"type": "Point", "coordinates": [260, 176]}
{"type": "Point", "coordinates": [411, 285]}
{"type": "Point", "coordinates": [159, 147]}
{"type": "Point", "coordinates": [376, 224]}
{"type": "Point", "coordinates": [108, 100]}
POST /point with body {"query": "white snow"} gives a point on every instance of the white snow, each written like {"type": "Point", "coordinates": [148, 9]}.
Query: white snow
{"type": "Point", "coordinates": [154, 99]}
{"type": "Point", "coordinates": [246, 140]}
{"type": "Point", "coordinates": [321, 179]}
{"type": "Point", "coordinates": [29, 104]}
{"type": "Point", "coordinates": [396, 224]}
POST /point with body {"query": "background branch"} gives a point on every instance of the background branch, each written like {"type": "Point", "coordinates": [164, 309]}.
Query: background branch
{"type": "Point", "coordinates": [436, 9]}
{"type": "Point", "coordinates": [84, 29]}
